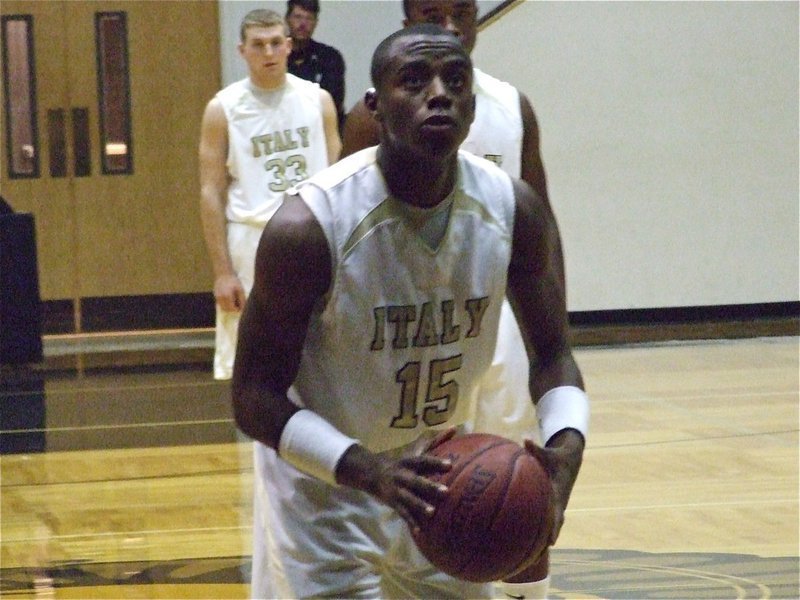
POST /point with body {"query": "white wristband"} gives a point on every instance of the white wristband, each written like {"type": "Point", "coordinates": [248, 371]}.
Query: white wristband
{"type": "Point", "coordinates": [564, 407]}
{"type": "Point", "coordinates": [312, 445]}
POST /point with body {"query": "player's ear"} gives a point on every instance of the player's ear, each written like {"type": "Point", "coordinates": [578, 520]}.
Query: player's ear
{"type": "Point", "coordinates": [371, 102]}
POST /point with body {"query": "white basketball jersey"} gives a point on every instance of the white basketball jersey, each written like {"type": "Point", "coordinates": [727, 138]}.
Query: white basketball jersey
{"type": "Point", "coordinates": [407, 329]}
{"type": "Point", "coordinates": [276, 139]}
{"type": "Point", "coordinates": [496, 133]}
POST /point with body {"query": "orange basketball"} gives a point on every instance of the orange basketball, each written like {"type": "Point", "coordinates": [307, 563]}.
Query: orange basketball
{"type": "Point", "coordinates": [497, 514]}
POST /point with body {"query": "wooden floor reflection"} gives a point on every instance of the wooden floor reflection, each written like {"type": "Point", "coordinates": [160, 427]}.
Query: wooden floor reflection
{"type": "Point", "coordinates": [133, 483]}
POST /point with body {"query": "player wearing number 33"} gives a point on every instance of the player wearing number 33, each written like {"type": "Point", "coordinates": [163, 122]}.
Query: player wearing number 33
{"type": "Point", "coordinates": [259, 136]}
{"type": "Point", "coordinates": [374, 314]}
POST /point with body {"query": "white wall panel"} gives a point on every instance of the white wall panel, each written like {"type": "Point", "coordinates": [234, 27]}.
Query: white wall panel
{"type": "Point", "coordinates": [670, 138]}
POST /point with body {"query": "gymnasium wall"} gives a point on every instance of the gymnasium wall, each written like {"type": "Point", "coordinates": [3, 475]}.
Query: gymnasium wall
{"type": "Point", "coordinates": [669, 135]}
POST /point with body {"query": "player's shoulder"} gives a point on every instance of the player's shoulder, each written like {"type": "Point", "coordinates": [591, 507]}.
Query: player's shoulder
{"type": "Point", "coordinates": [479, 164]}
{"type": "Point", "coordinates": [484, 181]}
{"type": "Point", "coordinates": [302, 85]}
{"type": "Point", "coordinates": [306, 91]}
{"type": "Point", "coordinates": [483, 82]}
{"type": "Point", "coordinates": [355, 165]}
{"type": "Point", "coordinates": [233, 91]}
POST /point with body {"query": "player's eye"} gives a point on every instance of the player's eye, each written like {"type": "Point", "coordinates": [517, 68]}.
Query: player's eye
{"type": "Point", "coordinates": [435, 18]}
{"type": "Point", "coordinates": [457, 81]}
{"type": "Point", "coordinates": [412, 82]}
{"type": "Point", "coordinates": [462, 16]}
{"type": "Point", "coordinates": [463, 13]}
{"type": "Point", "coordinates": [412, 79]}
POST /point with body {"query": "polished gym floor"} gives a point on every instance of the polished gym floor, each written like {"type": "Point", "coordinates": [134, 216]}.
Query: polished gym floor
{"type": "Point", "coordinates": [123, 475]}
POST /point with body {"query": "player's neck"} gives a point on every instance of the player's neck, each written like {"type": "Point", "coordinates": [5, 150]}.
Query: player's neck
{"type": "Point", "coordinates": [268, 84]}
{"type": "Point", "coordinates": [417, 181]}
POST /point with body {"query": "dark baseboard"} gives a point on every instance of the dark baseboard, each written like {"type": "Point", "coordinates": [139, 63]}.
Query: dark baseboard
{"type": "Point", "coordinates": [193, 311]}
{"type": "Point", "coordinates": [632, 326]}
{"type": "Point", "coordinates": [58, 317]}
{"type": "Point", "coordinates": [130, 313]}
{"type": "Point", "coordinates": [129, 332]}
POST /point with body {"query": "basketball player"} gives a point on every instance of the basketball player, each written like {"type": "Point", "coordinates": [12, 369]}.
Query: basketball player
{"type": "Point", "coordinates": [372, 318]}
{"type": "Point", "coordinates": [259, 136]}
{"type": "Point", "coordinates": [505, 131]}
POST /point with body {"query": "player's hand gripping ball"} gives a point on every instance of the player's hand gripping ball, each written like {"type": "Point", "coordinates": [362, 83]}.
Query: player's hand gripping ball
{"type": "Point", "coordinates": [497, 515]}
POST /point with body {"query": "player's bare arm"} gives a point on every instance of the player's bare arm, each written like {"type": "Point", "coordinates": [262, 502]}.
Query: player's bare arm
{"type": "Point", "coordinates": [331, 125]}
{"type": "Point", "coordinates": [532, 167]}
{"type": "Point", "coordinates": [360, 129]}
{"type": "Point", "coordinates": [537, 296]}
{"type": "Point", "coordinates": [292, 271]}
{"type": "Point", "coordinates": [228, 290]}
{"type": "Point", "coordinates": [532, 171]}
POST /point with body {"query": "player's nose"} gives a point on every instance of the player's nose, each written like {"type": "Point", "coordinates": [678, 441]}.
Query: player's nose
{"type": "Point", "coordinates": [451, 26]}
{"type": "Point", "coordinates": [438, 92]}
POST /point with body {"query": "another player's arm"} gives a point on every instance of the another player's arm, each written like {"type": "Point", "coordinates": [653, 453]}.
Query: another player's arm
{"type": "Point", "coordinates": [537, 297]}
{"type": "Point", "coordinates": [532, 171]}
{"type": "Point", "coordinates": [213, 153]}
{"type": "Point", "coordinates": [330, 122]}
{"type": "Point", "coordinates": [360, 129]}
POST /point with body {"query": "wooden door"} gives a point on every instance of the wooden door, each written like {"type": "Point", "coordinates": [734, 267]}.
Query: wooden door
{"type": "Point", "coordinates": [115, 217]}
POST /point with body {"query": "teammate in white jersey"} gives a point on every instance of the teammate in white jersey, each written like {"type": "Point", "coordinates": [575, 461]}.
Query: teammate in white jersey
{"type": "Point", "coordinates": [373, 316]}
{"type": "Point", "coordinates": [506, 132]}
{"type": "Point", "coordinates": [259, 137]}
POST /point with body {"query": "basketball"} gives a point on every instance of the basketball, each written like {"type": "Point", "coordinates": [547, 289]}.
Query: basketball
{"type": "Point", "coordinates": [497, 512]}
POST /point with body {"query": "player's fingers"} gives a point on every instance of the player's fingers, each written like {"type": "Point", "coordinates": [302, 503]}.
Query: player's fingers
{"type": "Point", "coordinates": [558, 522]}
{"type": "Point", "coordinates": [407, 517]}
{"type": "Point", "coordinates": [433, 492]}
{"type": "Point", "coordinates": [415, 508]}
{"type": "Point", "coordinates": [541, 455]}
{"type": "Point", "coordinates": [428, 440]}
{"type": "Point", "coordinates": [227, 303]}
{"type": "Point", "coordinates": [545, 458]}
{"type": "Point", "coordinates": [239, 298]}
{"type": "Point", "coordinates": [441, 437]}
{"type": "Point", "coordinates": [413, 477]}
{"type": "Point", "coordinates": [427, 464]}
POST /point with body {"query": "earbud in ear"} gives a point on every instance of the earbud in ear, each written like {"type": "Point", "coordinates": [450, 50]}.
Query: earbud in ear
{"type": "Point", "coordinates": [371, 102]}
{"type": "Point", "coordinates": [371, 98]}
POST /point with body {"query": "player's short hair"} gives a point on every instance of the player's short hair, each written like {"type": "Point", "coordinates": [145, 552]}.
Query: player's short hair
{"type": "Point", "coordinates": [311, 6]}
{"type": "Point", "coordinates": [261, 17]}
{"type": "Point", "coordinates": [407, 8]}
{"type": "Point", "coordinates": [380, 58]}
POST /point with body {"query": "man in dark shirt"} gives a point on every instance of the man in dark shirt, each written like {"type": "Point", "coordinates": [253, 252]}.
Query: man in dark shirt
{"type": "Point", "coordinates": [310, 59]}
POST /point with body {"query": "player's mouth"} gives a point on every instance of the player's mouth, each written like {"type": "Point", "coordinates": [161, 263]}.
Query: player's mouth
{"type": "Point", "coordinates": [439, 122]}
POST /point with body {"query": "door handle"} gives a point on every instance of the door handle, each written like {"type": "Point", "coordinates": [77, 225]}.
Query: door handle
{"type": "Point", "coordinates": [81, 146]}
{"type": "Point", "coordinates": [80, 142]}
{"type": "Point", "coordinates": [57, 142]}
